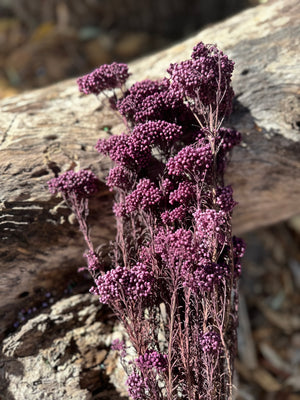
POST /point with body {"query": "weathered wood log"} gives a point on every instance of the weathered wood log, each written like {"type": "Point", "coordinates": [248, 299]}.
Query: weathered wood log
{"type": "Point", "coordinates": [55, 129]}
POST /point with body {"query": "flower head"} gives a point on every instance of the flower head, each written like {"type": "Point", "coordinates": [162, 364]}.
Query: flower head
{"type": "Point", "coordinates": [121, 283]}
{"type": "Point", "coordinates": [152, 360]}
{"type": "Point", "coordinates": [210, 342]}
{"type": "Point", "coordinates": [204, 79]}
{"type": "Point", "coordinates": [82, 184]}
{"type": "Point", "coordinates": [92, 261]}
{"type": "Point", "coordinates": [130, 105]}
{"type": "Point", "coordinates": [106, 77]}
{"type": "Point", "coordinates": [205, 277]}
{"type": "Point", "coordinates": [119, 177]}
{"type": "Point", "coordinates": [190, 160]}
{"type": "Point", "coordinates": [224, 199]}
{"type": "Point", "coordinates": [145, 195]}
{"type": "Point", "coordinates": [136, 386]}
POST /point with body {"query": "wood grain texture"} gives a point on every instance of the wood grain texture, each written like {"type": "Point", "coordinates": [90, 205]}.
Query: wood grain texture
{"type": "Point", "coordinates": [51, 130]}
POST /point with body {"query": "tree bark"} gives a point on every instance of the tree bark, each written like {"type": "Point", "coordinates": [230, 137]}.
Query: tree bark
{"type": "Point", "coordinates": [51, 130]}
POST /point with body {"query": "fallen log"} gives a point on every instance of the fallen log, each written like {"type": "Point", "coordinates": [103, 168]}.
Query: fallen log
{"type": "Point", "coordinates": [51, 130]}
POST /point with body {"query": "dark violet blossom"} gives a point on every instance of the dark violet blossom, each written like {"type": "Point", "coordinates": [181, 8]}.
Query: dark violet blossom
{"type": "Point", "coordinates": [204, 79]}
{"type": "Point", "coordinates": [145, 195]}
{"type": "Point", "coordinates": [183, 194]}
{"type": "Point", "coordinates": [119, 177]}
{"type": "Point", "coordinates": [106, 77]}
{"type": "Point", "coordinates": [92, 261]}
{"type": "Point", "coordinates": [210, 343]}
{"type": "Point", "coordinates": [178, 213]}
{"type": "Point", "coordinates": [121, 284]}
{"type": "Point", "coordinates": [190, 159]}
{"type": "Point", "coordinates": [82, 184]}
{"type": "Point", "coordinates": [171, 275]}
{"type": "Point", "coordinates": [136, 386]}
{"type": "Point", "coordinates": [152, 360]}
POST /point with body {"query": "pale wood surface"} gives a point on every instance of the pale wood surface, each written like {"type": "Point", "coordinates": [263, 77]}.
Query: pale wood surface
{"type": "Point", "coordinates": [55, 129]}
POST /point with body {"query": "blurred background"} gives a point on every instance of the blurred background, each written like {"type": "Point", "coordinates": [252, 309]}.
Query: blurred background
{"type": "Point", "coordinates": [45, 41]}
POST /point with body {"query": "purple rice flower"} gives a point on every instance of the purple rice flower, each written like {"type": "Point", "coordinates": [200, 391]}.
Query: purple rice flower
{"type": "Point", "coordinates": [210, 226]}
{"type": "Point", "coordinates": [239, 248]}
{"type": "Point", "coordinates": [120, 283]}
{"type": "Point", "coordinates": [173, 217]}
{"type": "Point", "coordinates": [203, 76]}
{"type": "Point", "coordinates": [82, 184]}
{"type": "Point", "coordinates": [119, 209]}
{"type": "Point", "coordinates": [119, 177]}
{"type": "Point", "coordinates": [176, 249]}
{"type": "Point", "coordinates": [183, 194]}
{"type": "Point", "coordinates": [145, 195]}
{"type": "Point", "coordinates": [151, 108]}
{"type": "Point", "coordinates": [210, 343]}
{"type": "Point", "coordinates": [228, 138]}
{"type": "Point", "coordinates": [205, 277]}
{"type": "Point", "coordinates": [167, 186]}
{"type": "Point", "coordinates": [178, 213]}
{"type": "Point", "coordinates": [92, 261]}
{"type": "Point", "coordinates": [116, 147]}
{"type": "Point", "coordinates": [157, 133]}
{"type": "Point", "coordinates": [209, 222]}
{"type": "Point", "coordinates": [225, 199]}
{"type": "Point", "coordinates": [190, 160]}
{"type": "Point", "coordinates": [125, 150]}
{"type": "Point", "coordinates": [130, 104]}
{"type": "Point", "coordinates": [106, 77]}
{"type": "Point", "coordinates": [152, 360]}
{"type": "Point", "coordinates": [136, 386]}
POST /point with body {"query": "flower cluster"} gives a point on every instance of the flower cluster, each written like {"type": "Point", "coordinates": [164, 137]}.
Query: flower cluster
{"type": "Point", "coordinates": [190, 160]}
{"type": "Point", "coordinates": [174, 265]}
{"type": "Point", "coordinates": [206, 277]}
{"type": "Point", "coordinates": [117, 148]}
{"type": "Point", "coordinates": [152, 360]}
{"type": "Point", "coordinates": [136, 386]}
{"type": "Point", "coordinates": [92, 261]}
{"type": "Point", "coordinates": [145, 195]}
{"type": "Point", "coordinates": [239, 248]}
{"type": "Point", "coordinates": [183, 194]}
{"type": "Point", "coordinates": [124, 284]}
{"type": "Point", "coordinates": [155, 133]}
{"type": "Point", "coordinates": [176, 249]}
{"type": "Point", "coordinates": [204, 79]}
{"type": "Point", "coordinates": [228, 138]}
{"type": "Point", "coordinates": [119, 177]}
{"type": "Point", "coordinates": [82, 184]}
{"type": "Point", "coordinates": [131, 104]}
{"type": "Point", "coordinates": [224, 199]}
{"type": "Point", "coordinates": [178, 213]}
{"type": "Point", "coordinates": [209, 228]}
{"type": "Point", "coordinates": [210, 343]}
{"type": "Point", "coordinates": [151, 108]}
{"type": "Point", "coordinates": [106, 77]}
